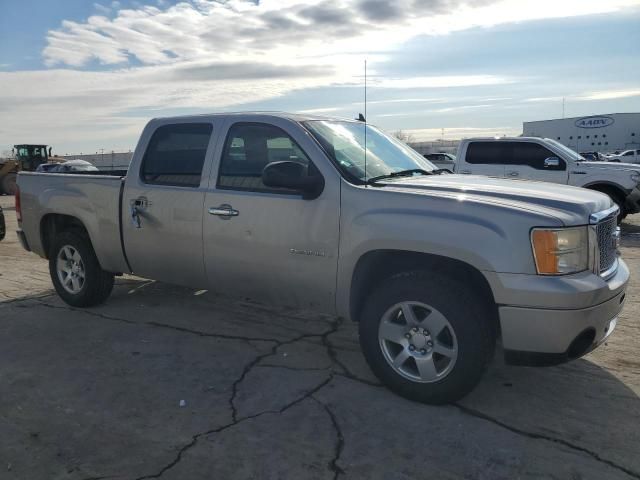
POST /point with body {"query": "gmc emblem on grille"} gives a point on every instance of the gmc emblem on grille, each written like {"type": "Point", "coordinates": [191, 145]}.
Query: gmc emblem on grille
{"type": "Point", "coordinates": [615, 238]}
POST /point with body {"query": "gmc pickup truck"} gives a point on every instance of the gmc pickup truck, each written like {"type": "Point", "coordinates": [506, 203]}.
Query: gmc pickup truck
{"type": "Point", "coordinates": [294, 210]}
{"type": "Point", "coordinates": [546, 160]}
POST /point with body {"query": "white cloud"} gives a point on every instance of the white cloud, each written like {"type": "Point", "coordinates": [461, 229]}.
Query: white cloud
{"type": "Point", "coordinates": [611, 94]}
{"type": "Point", "coordinates": [441, 81]}
{"type": "Point", "coordinates": [588, 96]}
{"type": "Point", "coordinates": [456, 133]}
{"type": "Point", "coordinates": [218, 54]}
{"type": "Point", "coordinates": [247, 29]}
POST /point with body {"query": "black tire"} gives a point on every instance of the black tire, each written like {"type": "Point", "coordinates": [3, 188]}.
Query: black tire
{"type": "Point", "coordinates": [3, 226]}
{"type": "Point", "coordinates": [97, 285]}
{"type": "Point", "coordinates": [620, 203]}
{"type": "Point", "coordinates": [468, 315]}
{"type": "Point", "coordinates": [9, 183]}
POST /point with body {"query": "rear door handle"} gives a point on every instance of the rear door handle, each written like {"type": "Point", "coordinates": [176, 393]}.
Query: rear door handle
{"type": "Point", "coordinates": [223, 211]}
{"type": "Point", "coordinates": [465, 172]}
{"type": "Point", "coordinates": [137, 206]}
{"type": "Point", "coordinates": [513, 174]}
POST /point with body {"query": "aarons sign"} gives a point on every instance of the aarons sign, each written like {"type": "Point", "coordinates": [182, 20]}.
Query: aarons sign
{"type": "Point", "coordinates": [594, 122]}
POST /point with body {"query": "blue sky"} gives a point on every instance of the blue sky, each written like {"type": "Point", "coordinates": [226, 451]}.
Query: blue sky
{"type": "Point", "coordinates": [83, 76]}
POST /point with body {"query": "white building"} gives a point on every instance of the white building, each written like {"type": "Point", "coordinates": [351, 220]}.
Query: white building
{"type": "Point", "coordinates": [596, 133]}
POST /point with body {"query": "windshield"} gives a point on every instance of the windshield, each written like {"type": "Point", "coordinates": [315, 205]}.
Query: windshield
{"type": "Point", "coordinates": [571, 153]}
{"type": "Point", "coordinates": [344, 142]}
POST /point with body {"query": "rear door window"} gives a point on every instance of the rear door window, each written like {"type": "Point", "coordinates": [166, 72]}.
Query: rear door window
{"type": "Point", "coordinates": [175, 155]}
{"type": "Point", "coordinates": [489, 153]}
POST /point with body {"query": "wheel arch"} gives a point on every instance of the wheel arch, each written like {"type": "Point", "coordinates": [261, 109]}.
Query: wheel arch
{"type": "Point", "coordinates": [376, 265]}
{"type": "Point", "coordinates": [53, 224]}
{"type": "Point", "coordinates": [608, 188]}
{"type": "Point", "coordinates": [614, 191]}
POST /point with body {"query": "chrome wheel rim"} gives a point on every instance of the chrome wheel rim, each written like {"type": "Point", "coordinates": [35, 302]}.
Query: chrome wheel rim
{"type": "Point", "coordinates": [418, 342]}
{"type": "Point", "coordinates": [70, 269]}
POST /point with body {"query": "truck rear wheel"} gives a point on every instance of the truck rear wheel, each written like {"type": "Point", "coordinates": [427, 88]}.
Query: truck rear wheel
{"type": "Point", "coordinates": [76, 273]}
{"type": "Point", "coordinates": [9, 184]}
{"type": "Point", "coordinates": [427, 337]}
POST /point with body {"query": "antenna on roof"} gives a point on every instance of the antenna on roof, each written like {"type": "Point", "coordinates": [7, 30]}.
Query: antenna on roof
{"type": "Point", "coordinates": [364, 119]}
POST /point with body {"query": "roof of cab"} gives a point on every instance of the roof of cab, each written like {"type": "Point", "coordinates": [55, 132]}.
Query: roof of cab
{"type": "Point", "coordinates": [502, 139]}
{"type": "Point", "coordinates": [296, 117]}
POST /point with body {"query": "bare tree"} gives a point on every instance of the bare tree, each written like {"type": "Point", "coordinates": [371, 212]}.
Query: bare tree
{"type": "Point", "coordinates": [403, 136]}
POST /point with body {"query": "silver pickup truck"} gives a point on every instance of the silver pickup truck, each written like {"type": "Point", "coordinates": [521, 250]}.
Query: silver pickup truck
{"type": "Point", "coordinates": [293, 210]}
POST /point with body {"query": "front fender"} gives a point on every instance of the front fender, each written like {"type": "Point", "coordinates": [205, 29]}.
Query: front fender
{"type": "Point", "coordinates": [487, 236]}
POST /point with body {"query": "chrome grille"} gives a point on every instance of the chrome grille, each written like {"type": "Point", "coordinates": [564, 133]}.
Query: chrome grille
{"type": "Point", "coordinates": [606, 232]}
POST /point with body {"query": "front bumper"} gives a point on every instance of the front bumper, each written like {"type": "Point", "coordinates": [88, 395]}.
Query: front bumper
{"type": "Point", "coordinates": [541, 334]}
{"type": "Point", "coordinates": [632, 202]}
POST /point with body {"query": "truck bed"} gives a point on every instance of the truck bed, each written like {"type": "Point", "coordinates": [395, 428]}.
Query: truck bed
{"type": "Point", "coordinates": [92, 197]}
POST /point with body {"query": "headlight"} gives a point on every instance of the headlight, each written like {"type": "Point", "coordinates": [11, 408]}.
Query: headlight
{"type": "Point", "coordinates": [560, 251]}
{"type": "Point", "coordinates": [635, 176]}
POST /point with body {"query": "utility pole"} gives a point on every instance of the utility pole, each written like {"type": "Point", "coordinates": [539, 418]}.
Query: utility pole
{"type": "Point", "coordinates": [562, 107]}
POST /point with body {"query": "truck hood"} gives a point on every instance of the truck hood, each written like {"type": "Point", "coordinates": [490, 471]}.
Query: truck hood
{"type": "Point", "coordinates": [571, 205]}
{"type": "Point", "coordinates": [610, 166]}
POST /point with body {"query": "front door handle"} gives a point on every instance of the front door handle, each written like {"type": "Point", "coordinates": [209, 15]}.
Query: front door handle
{"type": "Point", "coordinates": [513, 174]}
{"type": "Point", "coordinates": [223, 211]}
{"type": "Point", "coordinates": [465, 172]}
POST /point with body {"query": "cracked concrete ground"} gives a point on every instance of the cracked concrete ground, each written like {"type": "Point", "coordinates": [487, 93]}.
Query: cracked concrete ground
{"type": "Point", "coordinates": [278, 394]}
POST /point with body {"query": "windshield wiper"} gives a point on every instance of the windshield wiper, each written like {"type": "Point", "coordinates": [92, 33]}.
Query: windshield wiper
{"type": "Point", "coordinates": [400, 173]}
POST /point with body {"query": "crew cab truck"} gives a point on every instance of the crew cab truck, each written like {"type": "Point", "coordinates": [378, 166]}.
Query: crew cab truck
{"type": "Point", "coordinates": [547, 160]}
{"type": "Point", "coordinates": [294, 210]}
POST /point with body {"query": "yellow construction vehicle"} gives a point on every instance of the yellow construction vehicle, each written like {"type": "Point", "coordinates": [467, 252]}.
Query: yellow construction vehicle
{"type": "Point", "coordinates": [27, 158]}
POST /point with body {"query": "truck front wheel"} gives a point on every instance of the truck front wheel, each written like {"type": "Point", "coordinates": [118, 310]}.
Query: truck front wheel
{"type": "Point", "coordinates": [76, 273]}
{"type": "Point", "coordinates": [426, 336]}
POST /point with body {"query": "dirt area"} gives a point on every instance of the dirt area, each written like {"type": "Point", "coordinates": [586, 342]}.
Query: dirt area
{"type": "Point", "coordinates": [171, 383]}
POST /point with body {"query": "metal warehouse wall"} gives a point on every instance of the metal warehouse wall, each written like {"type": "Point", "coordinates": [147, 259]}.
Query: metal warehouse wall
{"type": "Point", "coordinates": [595, 133]}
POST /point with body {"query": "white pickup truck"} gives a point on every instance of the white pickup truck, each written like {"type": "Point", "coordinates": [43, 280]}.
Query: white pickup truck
{"type": "Point", "coordinates": [545, 160]}
{"type": "Point", "coordinates": [628, 156]}
{"type": "Point", "coordinates": [294, 210]}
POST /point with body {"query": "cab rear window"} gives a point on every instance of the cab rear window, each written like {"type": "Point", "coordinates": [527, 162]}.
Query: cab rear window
{"type": "Point", "coordinates": [175, 155]}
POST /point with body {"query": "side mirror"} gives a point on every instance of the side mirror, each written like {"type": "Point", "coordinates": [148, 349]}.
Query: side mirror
{"type": "Point", "coordinates": [292, 175]}
{"type": "Point", "coordinates": [552, 162]}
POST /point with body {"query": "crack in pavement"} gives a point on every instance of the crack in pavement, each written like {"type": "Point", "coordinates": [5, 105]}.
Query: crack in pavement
{"type": "Point", "coordinates": [234, 391]}
{"type": "Point", "coordinates": [153, 323]}
{"type": "Point", "coordinates": [27, 298]}
{"type": "Point", "coordinates": [343, 372]}
{"type": "Point", "coordinates": [234, 423]}
{"type": "Point", "coordinates": [333, 464]}
{"type": "Point", "coordinates": [334, 325]}
{"type": "Point", "coordinates": [538, 436]}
